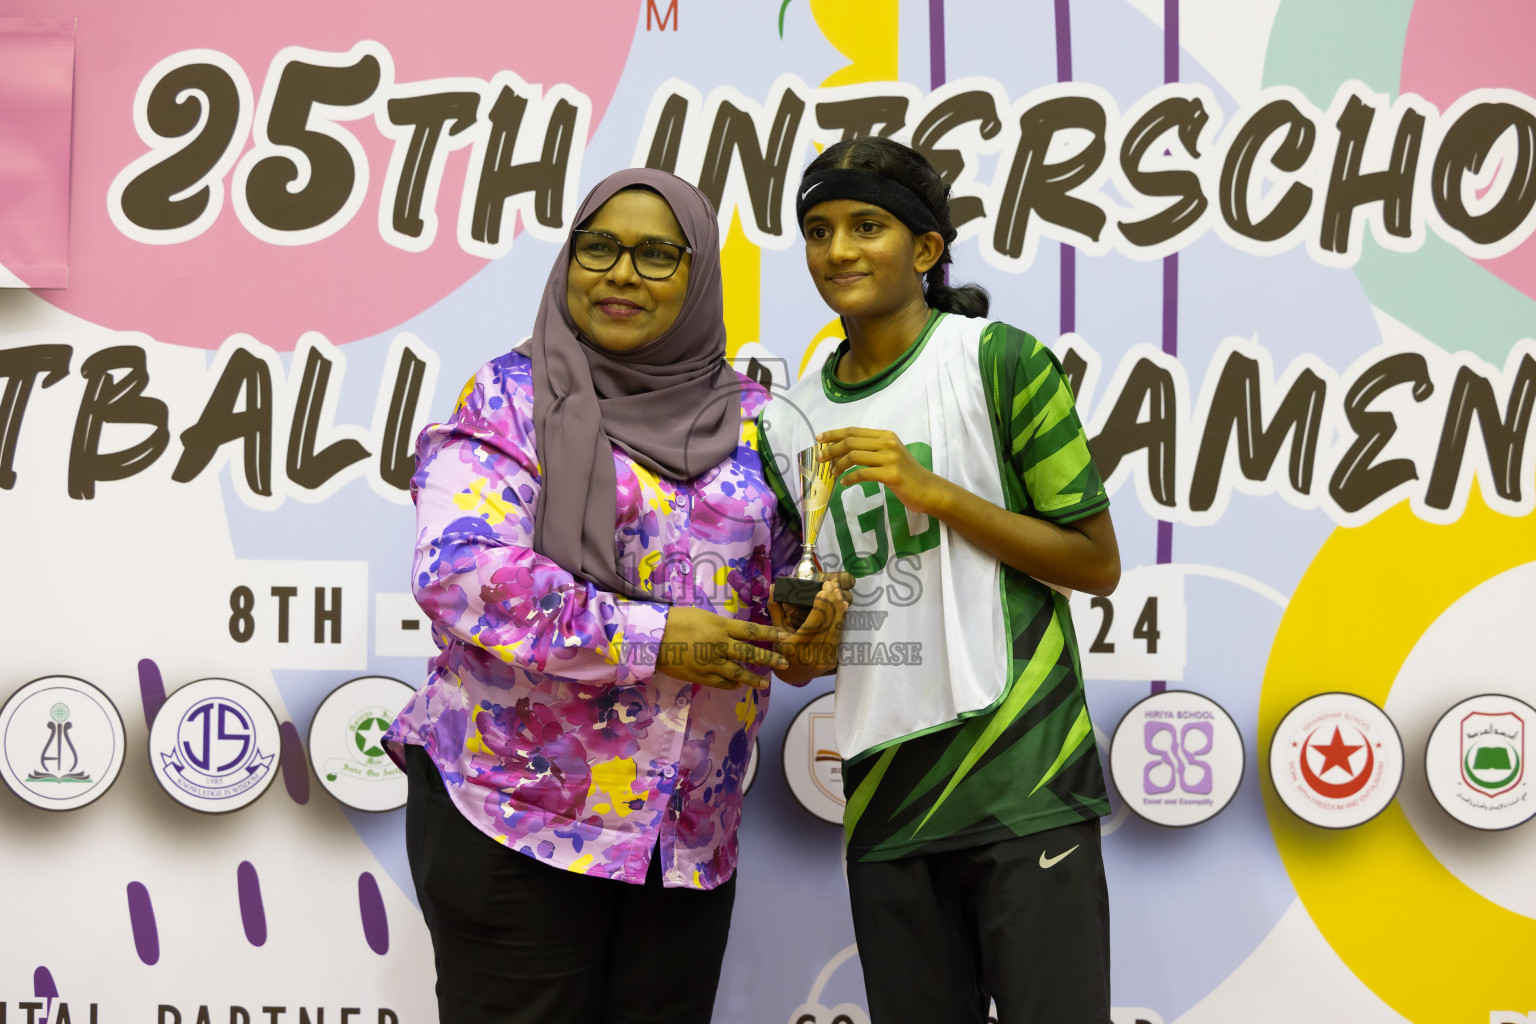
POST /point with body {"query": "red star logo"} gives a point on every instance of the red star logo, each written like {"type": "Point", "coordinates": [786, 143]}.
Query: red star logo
{"type": "Point", "coordinates": [1336, 753]}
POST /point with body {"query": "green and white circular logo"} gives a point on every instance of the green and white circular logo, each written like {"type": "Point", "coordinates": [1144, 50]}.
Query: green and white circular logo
{"type": "Point", "coordinates": [61, 743]}
{"type": "Point", "coordinates": [346, 743]}
{"type": "Point", "coordinates": [1475, 762]}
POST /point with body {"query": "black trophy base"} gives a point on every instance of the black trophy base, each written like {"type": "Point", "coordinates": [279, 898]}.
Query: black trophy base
{"type": "Point", "coordinates": [790, 590]}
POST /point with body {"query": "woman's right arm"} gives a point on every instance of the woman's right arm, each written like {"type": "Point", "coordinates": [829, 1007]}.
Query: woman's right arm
{"type": "Point", "coordinates": [476, 574]}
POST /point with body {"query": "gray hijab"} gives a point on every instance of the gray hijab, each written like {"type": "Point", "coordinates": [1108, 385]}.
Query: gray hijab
{"type": "Point", "coordinates": [673, 404]}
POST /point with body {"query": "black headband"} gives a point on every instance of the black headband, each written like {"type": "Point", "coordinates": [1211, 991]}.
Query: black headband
{"type": "Point", "coordinates": [831, 183]}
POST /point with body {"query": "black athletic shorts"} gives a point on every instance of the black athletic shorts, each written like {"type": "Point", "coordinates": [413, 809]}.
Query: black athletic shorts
{"type": "Point", "coordinates": [1023, 921]}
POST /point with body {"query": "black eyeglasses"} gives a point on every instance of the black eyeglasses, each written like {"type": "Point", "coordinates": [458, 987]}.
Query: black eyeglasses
{"type": "Point", "coordinates": [655, 261]}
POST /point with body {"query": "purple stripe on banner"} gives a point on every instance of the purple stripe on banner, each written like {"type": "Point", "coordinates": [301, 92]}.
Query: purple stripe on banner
{"type": "Point", "coordinates": [295, 764]}
{"type": "Point", "coordinates": [1170, 272]}
{"type": "Point", "coordinates": [1170, 40]}
{"type": "Point", "coordinates": [253, 915]}
{"type": "Point", "coordinates": [936, 71]}
{"type": "Point", "coordinates": [1063, 41]}
{"type": "Point", "coordinates": [141, 916]}
{"type": "Point", "coordinates": [1068, 289]}
{"type": "Point", "coordinates": [1171, 304]}
{"type": "Point", "coordinates": [151, 690]}
{"type": "Point", "coordinates": [371, 903]}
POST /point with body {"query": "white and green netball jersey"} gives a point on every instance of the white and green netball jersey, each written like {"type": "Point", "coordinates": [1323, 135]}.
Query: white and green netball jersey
{"type": "Point", "coordinates": [960, 709]}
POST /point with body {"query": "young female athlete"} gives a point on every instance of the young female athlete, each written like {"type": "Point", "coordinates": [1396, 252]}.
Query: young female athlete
{"type": "Point", "coordinates": [972, 780]}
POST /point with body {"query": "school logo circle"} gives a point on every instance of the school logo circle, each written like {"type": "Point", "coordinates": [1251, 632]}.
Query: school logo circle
{"type": "Point", "coordinates": [346, 743]}
{"type": "Point", "coordinates": [1177, 758]}
{"type": "Point", "coordinates": [812, 766]}
{"type": "Point", "coordinates": [1336, 760]}
{"type": "Point", "coordinates": [1475, 762]}
{"type": "Point", "coordinates": [214, 745]}
{"type": "Point", "coordinates": [61, 743]}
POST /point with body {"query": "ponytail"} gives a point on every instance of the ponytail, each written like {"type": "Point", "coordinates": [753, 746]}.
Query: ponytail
{"type": "Point", "coordinates": [961, 300]}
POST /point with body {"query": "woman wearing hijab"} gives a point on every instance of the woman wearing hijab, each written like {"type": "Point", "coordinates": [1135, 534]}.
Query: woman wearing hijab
{"type": "Point", "coordinates": [595, 547]}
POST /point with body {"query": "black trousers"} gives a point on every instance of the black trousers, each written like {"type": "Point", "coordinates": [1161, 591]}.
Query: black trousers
{"type": "Point", "coordinates": [1023, 921]}
{"type": "Point", "coordinates": [520, 942]}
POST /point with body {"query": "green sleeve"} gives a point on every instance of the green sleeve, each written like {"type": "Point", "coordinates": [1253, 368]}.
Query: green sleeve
{"type": "Point", "coordinates": [1041, 446]}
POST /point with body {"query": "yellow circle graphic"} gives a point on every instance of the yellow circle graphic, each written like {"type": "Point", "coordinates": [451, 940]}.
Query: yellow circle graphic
{"type": "Point", "coordinates": [1432, 948]}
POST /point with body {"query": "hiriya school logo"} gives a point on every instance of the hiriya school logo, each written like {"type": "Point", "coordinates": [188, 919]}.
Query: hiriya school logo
{"type": "Point", "coordinates": [346, 743]}
{"type": "Point", "coordinates": [1336, 760]}
{"type": "Point", "coordinates": [812, 766]}
{"type": "Point", "coordinates": [62, 742]}
{"type": "Point", "coordinates": [214, 745]}
{"type": "Point", "coordinates": [1475, 762]}
{"type": "Point", "coordinates": [1177, 758]}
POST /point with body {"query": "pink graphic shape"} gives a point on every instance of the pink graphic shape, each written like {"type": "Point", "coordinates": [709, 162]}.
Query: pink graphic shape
{"type": "Point", "coordinates": [37, 57]}
{"type": "Point", "coordinates": [1454, 48]}
{"type": "Point", "coordinates": [353, 284]}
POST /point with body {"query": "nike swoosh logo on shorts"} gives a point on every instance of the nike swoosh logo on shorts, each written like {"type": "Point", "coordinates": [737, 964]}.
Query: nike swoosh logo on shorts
{"type": "Point", "coordinates": [1050, 862]}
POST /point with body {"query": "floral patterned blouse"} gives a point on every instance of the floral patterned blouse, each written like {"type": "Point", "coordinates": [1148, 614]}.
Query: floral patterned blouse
{"type": "Point", "coordinates": [543, 710]}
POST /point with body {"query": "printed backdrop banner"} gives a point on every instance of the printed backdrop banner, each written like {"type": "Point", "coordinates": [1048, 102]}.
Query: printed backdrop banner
{"type": "Point", "coordinates": [1281, 249]}
{"type": "Point", "coordinates": [37, 62]}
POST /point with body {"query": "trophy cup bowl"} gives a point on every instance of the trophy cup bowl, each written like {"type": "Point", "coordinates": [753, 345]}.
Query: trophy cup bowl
{"type": "Point", "coordinates": [801, 587]}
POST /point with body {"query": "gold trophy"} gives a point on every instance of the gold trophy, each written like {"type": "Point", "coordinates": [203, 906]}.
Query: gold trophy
{"type": "Point", "coordinates": [802, 587]}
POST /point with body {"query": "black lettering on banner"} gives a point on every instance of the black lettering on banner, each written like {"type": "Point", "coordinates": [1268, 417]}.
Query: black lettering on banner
{"type": "Point", "coordinates": [427, 117]}
{"type": "Point", "coordinates": [500, 178]}
{"type": "Point", "coordinates": [323, 163]}
{"type": "Point", "coordinates": [349, 1011]}
{"type": "Point", "coordinates": [766, 165]}
{"type": "Point", "coordinates": [1146, 629]}
{"type": "Point", "coordinates": [1359, 480]}
{"type": "Point", "coordinates": [1148, 386]}
{"type": "Point", "coordinates": [1236, 408]}
{"type": "Point", "coordinates": [1237, 171]}
{"type": "Point", "coordinates": [667, 139]}
{"type": "Point", "coordinates": [387, 1016]}
{"type": "Point", "coordinates": [242, 625]}
{"type": "Point", "coordinates": [1187, 117]}
{"type": "Point", "coordinates": [120, 400]}
{"type": "Point", "coordinates": [202, 1016]}
{"type": "Point", "coordinates": [1034, 186]}
{"type": "Point", "coordinates": [220, 423]}
{"type": "Point", "coordinates": [1101, 645]}
{"type": "Point", "coordinates": [307, 467]}
{"type": "Point", "coordinates": [1503, 438]}
{"type": "Point", "coordinates": [175, 1015]}
{"type": "Point", "coordinates": [1349, 188]}
{"type": "Point", "coordinates": [397, 462]}
{"type": "Point", "coordinates": [327, 615]}
{"type": "Point", "coordinates": [304, 1017]}
{"type": "Point", "coordinates": [273, 1012]}
{"type": "Point", "coordinates": [863, 116]}
{"type": "Point", "coordinates": [21, 368]}
{"type": "Point", "coordinates": [175, 192]}
{"type": "Point", "coordinates": [244, 1015]}
{"type": "Point", "coordinates": [974, 107]}
{"type": "Point", "coordinates": [1465, 148]}
{"type": "Point", "coordinates": [283, 595]}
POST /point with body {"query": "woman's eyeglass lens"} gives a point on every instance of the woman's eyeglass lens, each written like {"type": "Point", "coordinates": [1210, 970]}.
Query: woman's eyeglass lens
{"type": "Point", "coordinates": [654, 260]}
